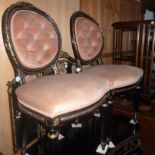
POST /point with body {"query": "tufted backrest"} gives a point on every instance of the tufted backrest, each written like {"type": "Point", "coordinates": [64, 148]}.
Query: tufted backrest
{"type": "Point", "coordinates": [31, 37]}
{"type": "Point", "coordinates": [88, 36]}
{"type": "Point", "coordinates": [34, 38]}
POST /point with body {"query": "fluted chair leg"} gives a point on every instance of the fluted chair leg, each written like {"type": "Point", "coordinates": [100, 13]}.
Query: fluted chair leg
{"type": "Point", "coordinates": [106, 122]}
{"type": "Point", "coordinates": [134, 120]}
{"type": "Point", "coordinates": [109, 123]}
{"type": "Point", "coordinates": [95, 126]}
{"type": "Point", "coordinates": [24, 134]}
{"type": "Point", "coordinates": [136, 103]}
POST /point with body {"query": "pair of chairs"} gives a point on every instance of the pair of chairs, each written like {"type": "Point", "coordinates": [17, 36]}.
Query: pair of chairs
{"type": "Point", "coordinates": [33, 44]}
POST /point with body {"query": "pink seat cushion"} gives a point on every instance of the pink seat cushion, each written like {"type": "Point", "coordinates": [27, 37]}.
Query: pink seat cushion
{"type": "Point", "coordinates": [60, 94]}
{"type": "Point", "coordinates": [117, 75]}
{"type": "Point", "coordinates": [34, 38]}
{"type": "Point", "coordinates": [88, 37]}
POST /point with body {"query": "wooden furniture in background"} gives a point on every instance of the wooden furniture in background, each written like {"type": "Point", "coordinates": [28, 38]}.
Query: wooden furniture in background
{"type": "Point", "coordinates": [125, 36]}
{"type": "Point", "coordinates": [148, 48]}
{"type": "Point", "coordinates": [134, 44]}
{"type": "Point", "coordinates": [140, 54]}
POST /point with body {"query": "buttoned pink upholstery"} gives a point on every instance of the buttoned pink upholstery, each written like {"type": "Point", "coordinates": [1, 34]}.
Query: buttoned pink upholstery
{"type": "Point", "coordinates": [34, 38]}
{"type": "Point", "coordinates": [52, 96]}
{"type": "Point", "coordinates": [88, 37]}
{"type": "Point", "coordinates": [118, 76]}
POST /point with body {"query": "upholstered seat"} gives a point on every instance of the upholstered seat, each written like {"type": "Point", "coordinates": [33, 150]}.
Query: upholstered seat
{"type": "Point", "coordinates": [52, 96]}
{"type": "Point", "coordinates": [118, 76]}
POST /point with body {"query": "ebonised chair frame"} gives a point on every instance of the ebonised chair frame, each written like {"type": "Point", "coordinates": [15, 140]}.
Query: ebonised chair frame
{"type": "Point", "coordinates": [52, 126]}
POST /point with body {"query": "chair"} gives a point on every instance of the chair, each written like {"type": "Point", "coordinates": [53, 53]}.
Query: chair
{"type": "Point", "coordinates": [33, 43]}
{"type": "Point", "coordinates": [87, 42]}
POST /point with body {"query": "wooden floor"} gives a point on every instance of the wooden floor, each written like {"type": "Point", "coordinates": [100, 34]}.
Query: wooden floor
{"type": "Point", "coordinates": [147, 124]}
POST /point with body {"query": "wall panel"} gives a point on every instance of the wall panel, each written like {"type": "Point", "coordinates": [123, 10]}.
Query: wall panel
{"type": "Point", "coordinates": [107, 12]}
{"type": "Point", "coordinates": [61, 11]}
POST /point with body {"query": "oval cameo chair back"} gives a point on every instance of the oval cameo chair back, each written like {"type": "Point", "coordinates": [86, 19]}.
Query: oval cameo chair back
{"type": "Point", "coordinates": [87, 37]}
{"type": "Point", "coordinates": [31, 38]}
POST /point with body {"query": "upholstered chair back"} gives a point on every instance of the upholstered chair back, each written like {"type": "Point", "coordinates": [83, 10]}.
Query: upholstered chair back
{"type": "Point", "coordinates": [87, 36]}
{"type": "Point", "coordinates": [31, 37]}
